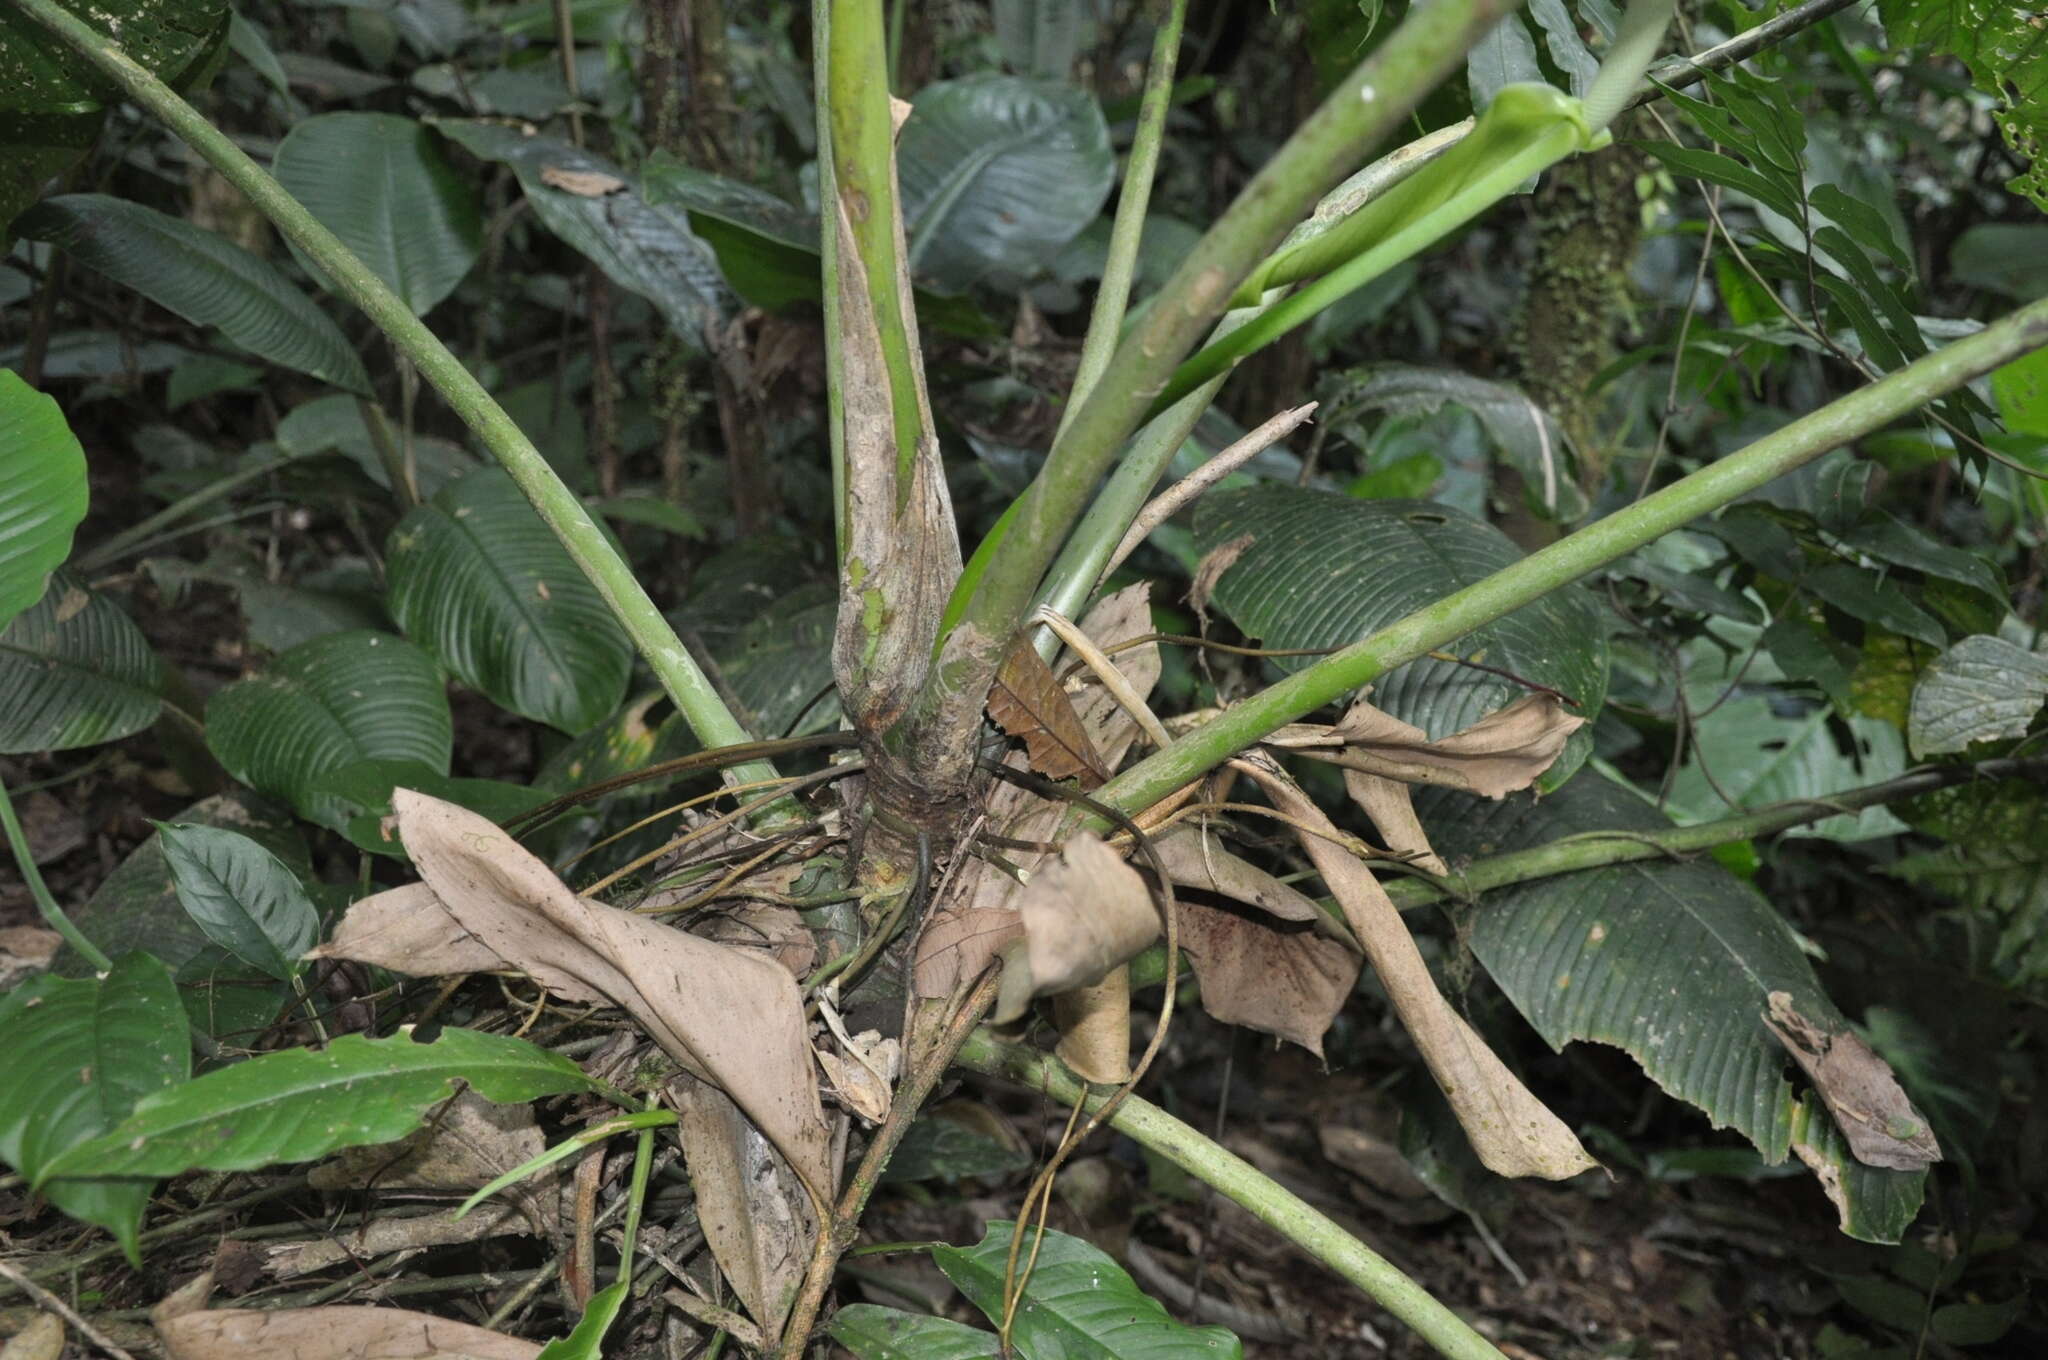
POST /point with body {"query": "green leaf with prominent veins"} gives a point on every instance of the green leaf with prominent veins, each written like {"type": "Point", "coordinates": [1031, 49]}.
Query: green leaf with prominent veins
{"type": "Point", "coordinates": [872, 1332]}
{"type": "Point", "coordinates": [1325, 570]}
{"type": "Point", "coordinates": [75, 672]}
{"type": "Point", "coordinates": [1672, 962]}
{"type": "Point", "coordinates": [81, 1053]}
{"type": "Point", "coordinates": [998, 173]}
{"type": "Point", "coordinates": [301, 1103]}
{"type": "Point", "coordinates": [42, 493]}
{"type": "Point", "coordinates": [1982, 689]}
{"type": "Point", "coordinates": [381, 184]}
{"type": "Point", "coordinates": [203, 277]}
{"type": "Point", "coordinates": [242, 897]}
{"type": "Point", "coordinates": [480, 581]}
{"type": "Point", "coordinates": [1078, 1303]}
{"type": "Point", "coordinates": [327, 703]}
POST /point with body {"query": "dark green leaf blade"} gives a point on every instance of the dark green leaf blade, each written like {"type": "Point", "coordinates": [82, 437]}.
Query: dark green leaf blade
{"type": "Point", "coordinates": [42, 493]}
{"type": "Point", "coordinates": [243, 897]}
{"type": "Point", "coordinates": [203, 277]}
{"type": "Point", "coordinates": [300, 1103]}
{"type": "Point", "coordinates": [1079, 1303]}
{"type": "Point", "coordinates": [1982, 689]}
{"type": "Point", "coordinates": [481, 582]}
{"type": "Point", "coordinates": [76, 672]}
{"type": "Point", "coordinates": [81, 1053]}
{"type": "Point", "coordinates": [873, 1332]}
{"type": "Point", "coordinates": [1324, 570]}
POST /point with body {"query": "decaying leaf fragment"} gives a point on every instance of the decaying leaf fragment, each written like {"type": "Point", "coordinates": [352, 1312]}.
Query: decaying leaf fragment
{"type": "Point", "coordinates": [582, 183]}
{"type": "Point", "coordinates": [733, 1017]}
{"type": "Point", "coordinates": [1288, 981]}
{"type": "Point", "coordinates": [1029, 704]}
{"type": "Point", "coordinates": [756, 1220]}
{"type": "Point", "coordinates": [1082, 914]}
{"type": "Point", "coordinates": [1875, 1115]}
{"type": "Point", "coordinates": [191, 1331]}
{"type": "Point", "coordinates": [1512, 1131]}
{"type": "Point", "coordinates": [1504, 752]}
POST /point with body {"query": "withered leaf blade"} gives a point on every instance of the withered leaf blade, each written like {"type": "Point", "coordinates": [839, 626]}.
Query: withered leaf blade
{"type": "Point", "coordinates": [339, 1332]}
{"type": "Point", "coordinates": [1504, 752]}
{"type": "Point", "coordinates": [750, 1206]}
{"type": "Point", "coordinates": [1029, 704]}
{"type": "Point", "coordinates": [1083, 913]}
{"type": "Point", "coordinates": [1876, 1116]}
{"type": "Point", "coordinates": [1289, 982]}
{"type": "Point", "coordinates": [732, 1016]}
{"type": "Point", "coordinates": [1095, 1029]}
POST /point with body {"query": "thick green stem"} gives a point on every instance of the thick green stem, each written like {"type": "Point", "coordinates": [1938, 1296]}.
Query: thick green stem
{"type": "Point", "coordinates": [1370, 103]}
{"type": "Point", "coordinates": [1440, 624]}
{"type": "Point", "coordinates": [17, 841]}
{"type": "Point", "coordinates": [1151, 1127]}
{"type": "Point", "coordinates": [1106, 322]}
{"type": "Point", "coordinates": [692, 692]}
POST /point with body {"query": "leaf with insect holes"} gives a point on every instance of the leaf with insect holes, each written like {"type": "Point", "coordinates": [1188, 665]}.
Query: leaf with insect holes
{"type": "Point", "coordinates": [1029, 703]}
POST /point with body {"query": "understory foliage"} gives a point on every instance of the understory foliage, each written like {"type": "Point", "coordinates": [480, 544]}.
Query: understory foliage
{"type": "Point", "coordinates": [694, 612]}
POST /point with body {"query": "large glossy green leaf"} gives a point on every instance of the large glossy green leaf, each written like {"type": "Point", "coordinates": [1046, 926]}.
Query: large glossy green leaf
{"type": "Point", "coordinates": [381, 184]}
{"type": "Point", "coordinates": [998, 173]}
{"type": "Point", "coordinates": [334, 424]}
{"type": "Point", "coordinates": [597, 209]}
{"type": "Point", "coordinates": [241, 896]}
{"type": "Point", "coordinates": [1672, 962]}
{"type": "Point", "coordinates": [42, 493]}
{"type": "Point", "coordinates": [80, 1054]}
{"type": "Point", "coordinates": [76, 672]}
{"type": "Point", "coordinates": [1324, 570]}
{"type": "Point", "coordinates": [873, 1332]}
{"type": "Point", "coordinates": [325, 704]}
{"type": "Point", "coordinates": [1079, 1303]}
{"type": "Point", "coordinates": [203, 277]}
{"type": "Point", "coordinates": [477, 579]}
{"type": "Point", "coordinates": [301, 1103]}
{"type": "Point", "coordinates": [780, 664]}
{"type": "Point", "coordinates": [1982, 689]}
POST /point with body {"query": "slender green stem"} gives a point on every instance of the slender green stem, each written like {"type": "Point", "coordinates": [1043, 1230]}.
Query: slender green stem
{"type": "Point", "coordinates": [17, 841]}
{"type": "Point", "coordinates": [628, 601]}
{"type": "Point", "coordinates": [143, 531]}
{"type": "Point", "coordinates": [1151, 1127]}
{"type": "Point", "coordinates": [1439, 625]}
{"type": "Point", "coordinates": [1106, 322]}
{"type": "Point", "coordinates": [1369, 103]}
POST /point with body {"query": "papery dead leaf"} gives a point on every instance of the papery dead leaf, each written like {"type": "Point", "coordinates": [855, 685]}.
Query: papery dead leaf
{"type": "Point", "coordinates": [381, 1236]}
{"type": "Point", "coordinates": [777, 930]}
{"type": "Point", "coordinates": [1028, 703]}
{"type": "Point", "coordinates": [25, 950]}
{"type": "Point", "coordinates": [468, 1143]}
{"type": "Point", "coordinates": [409, 930]}
{"type": "Point", "coordinates": [1095, 1029]}
{"type": "Point", "coordinates": [731, 1016]}
{"type": "Point", "coordinates": [1083, 913]}
{"type": "Point", "coordinates": [1116, 620]}
{"type": "Point", "coordinates": [957, 944]}
{"type": "Point", "coordinates": [1288, 982]}
{"type": "Point", "coordinates": [1505, 751]}
{"type": "Point", "coordinates": [1876, 1116]}
{"type": "Point", "coordinates": [1195, 858]}
{"type": "Point", "coordinates": [1392, 810]}
{"type": "Point", "coordinates": [40, 1338]}
{"type": "Point", "coordinates": [582, 183]}
{"type": "Point", "coordinates": [1514, 1133]}
{"type": "Point", "coordinates": [750, 1205]}
{"type": "Point", "coordinates": [1210, 569]}
{"type": "Point", "coordinates": [341, 1332]}
{"type": "Point", "coordinates": [862, 1067]}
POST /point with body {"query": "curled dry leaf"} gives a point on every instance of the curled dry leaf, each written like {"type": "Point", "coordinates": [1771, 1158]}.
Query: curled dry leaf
{"type": "Point", "coordinates": [382, 1236]}
{"type": "Point", "coordinates": [1512, 1131]}
{"type": "Point", "coordinates": [468, 1143]}
{"type": "Point", "coordinates": [1505, 751]}
{"type": "Point", "coordinates": [1874, 1113]}
{"type": "Point", "coordinates": [1028, 703]}
{"type": "Point", "coordinates": [1083, 914]}
{"type": "Point", "coordinates": [1095, 1028]}
{"type": "Point", "coordinates": [768, 926]}
{"type": "Point", "coordinates": [756, 1220]}
{"type": "Point", "coordinates": [861, 1067]}
{"type": "Point", "coordinates": [1195, 858]}
{"type": "Point", "coordinates": [1289, 982]}
{"type": "Point", "coordinates": [190, 1331]}
{"type": "Point", "coordinates": [1386, 801]}
{"type": "Point", "coordinates": [582, 183]}
{"type": "Point", "coordinates": [731, 1016]}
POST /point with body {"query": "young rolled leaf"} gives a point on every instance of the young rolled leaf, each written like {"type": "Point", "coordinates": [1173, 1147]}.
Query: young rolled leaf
{"type": "Point", "coordinates": [478, 579]}
{"type": "Point", "coordinates": [82, 1053]}
{"type": "Point", "coordinates": [203, 277]}
{"type": "Point", "coordinates": [300, 1103]}
{"type": "Point", "coordinates": [42, 493]}
{"type": "Point", "coordinates": [76, 670]}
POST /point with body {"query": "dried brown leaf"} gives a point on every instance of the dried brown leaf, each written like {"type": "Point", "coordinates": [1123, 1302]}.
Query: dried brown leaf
{"type": "Point", "coordinates": [731, 1016]}
{"type": "Point", "coordinates": [1512, 1131]}
{"type": "Point", "coordinates": [1392, 810]}
{"type": "Point", "coordinates": [40, 1338]}
{"type": "Point", "coordinates": [381, 1236]}
{"type": "Point", "coordinates": [750, 1204]}
{"type": "Point", "coordinates": [1095, 1029]}
{"type": "Point", "coordinates": [1505, 751]}
{"type": "Point", "coordinates": [1083, 913]}
{"type": "Point", "coordinates": [1196, 859]}
{"type": "Point", "coordinates": [1028, 703]}
{"type": "Point", "coordinates": [958, 943]}
{"type": "Point", "coordinates": [468, 1143]}
{"type": "Point", "coordinates": [1210, 569]}
{"type": "Point", "coordinates": [409, 930]}
{"type": "Point", "coordinates": [1119, 618]}
{"type": "Point", "coordinates": [1289, 982]}
{"type": "Point", "coordinates": [1874, 1113]}
{"type": "Point", "coordinates": [769, 926]}
{"type": "Point", "coordinates": [582, 183]}
{"type": "Point", "coordinates": [25, 950]}
{"type": "Point", "coordinates": [342, 1332]}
